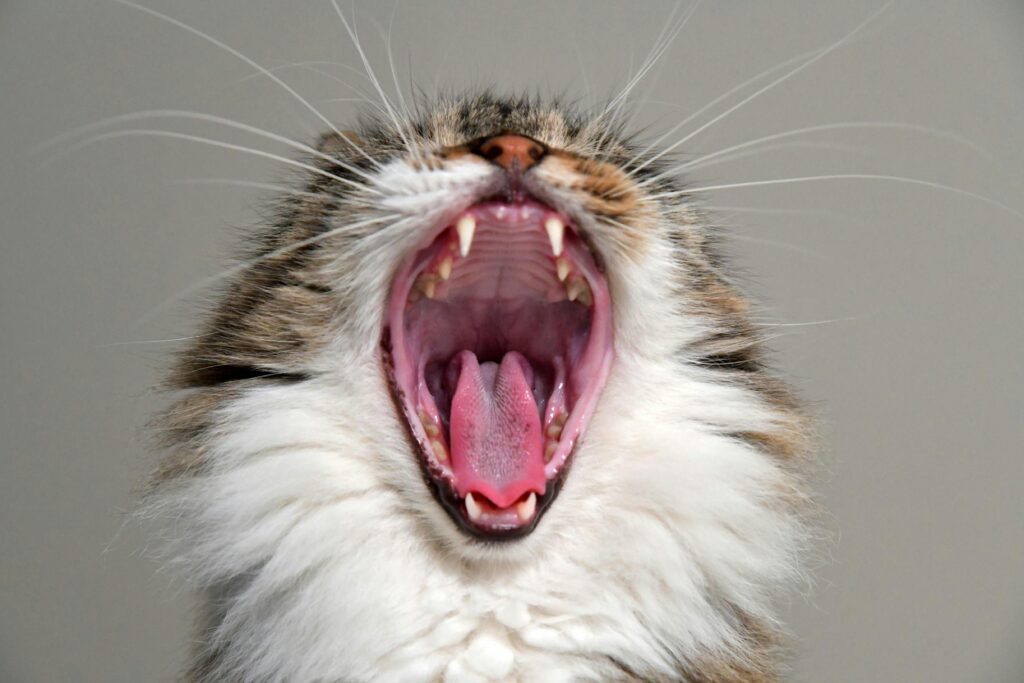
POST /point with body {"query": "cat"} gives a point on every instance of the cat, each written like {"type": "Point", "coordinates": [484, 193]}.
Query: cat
{"type": "Point", "coordinates": [483, 405]}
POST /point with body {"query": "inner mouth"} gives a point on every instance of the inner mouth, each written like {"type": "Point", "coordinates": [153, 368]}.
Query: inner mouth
{"type": "Point", "coordinates": [498, 345]}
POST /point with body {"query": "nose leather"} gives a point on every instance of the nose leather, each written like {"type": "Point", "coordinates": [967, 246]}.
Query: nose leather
{"type": "Point", "coordinates": [512, 152]}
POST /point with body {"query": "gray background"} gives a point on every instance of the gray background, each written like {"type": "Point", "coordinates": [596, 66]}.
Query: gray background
{"type": "Point", "coordinates": [918, 376]}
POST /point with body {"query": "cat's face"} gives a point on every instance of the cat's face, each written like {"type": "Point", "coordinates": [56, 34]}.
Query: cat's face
{"type": "Point", "coordinates": [499, 252]}
{"type": "Point", "coordinates": [485, 365]}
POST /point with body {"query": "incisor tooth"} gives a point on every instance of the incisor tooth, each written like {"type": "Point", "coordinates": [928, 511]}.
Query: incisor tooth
{"type": "Point", "coordinates": [465, 227]}
{"type": "Point", "coordinates": [439, 450]}
{"type": "Point", "coordinates": [444, 269]}
{"type": "Point", "coordinates": [563, 269]}
{"type": "Point", "coordinates": [473, 508]}
{"type": "Point", "coordinates": [526, 509]}
{"type": "Point", "coordinates": [556, 231]}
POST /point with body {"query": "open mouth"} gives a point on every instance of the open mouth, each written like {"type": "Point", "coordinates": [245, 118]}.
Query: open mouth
{"type": "Point", "coordinates": [498, 345]}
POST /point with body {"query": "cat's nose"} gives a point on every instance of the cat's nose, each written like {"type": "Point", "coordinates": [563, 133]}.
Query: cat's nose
{"type": "Point", "coordinates": [512, 151]}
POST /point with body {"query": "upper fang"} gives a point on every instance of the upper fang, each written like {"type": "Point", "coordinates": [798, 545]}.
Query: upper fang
{"type": "Point", "coordinates": [556, 232]}
{"type": "Point", "coordinates": [465, 227]}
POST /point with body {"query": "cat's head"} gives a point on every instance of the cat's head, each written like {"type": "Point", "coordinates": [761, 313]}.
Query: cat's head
{"type": "Point", "coordinates": [505, 298]}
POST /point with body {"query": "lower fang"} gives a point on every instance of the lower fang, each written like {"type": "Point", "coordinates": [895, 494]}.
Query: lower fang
{"type": "Point", "coordinates": [526, 509]}
{"type": "Point", "coordinates": [473, 508]}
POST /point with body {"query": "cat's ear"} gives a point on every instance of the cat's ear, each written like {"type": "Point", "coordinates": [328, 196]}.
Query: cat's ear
{"type": "Point", "coordinates": [342, 143]}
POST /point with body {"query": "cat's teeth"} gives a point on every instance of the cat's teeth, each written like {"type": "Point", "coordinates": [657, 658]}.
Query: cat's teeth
{"type": "Point", "coordinates": [429, 287]}
{"type": "Point", "coordinates": [563, 268]}
{"type": "Point", "coordinates": [473, 508]}
{"type": "Point", "coordinates": [444, 269]}
{"type": "Point", "coordinates": [549, 450]}
{"type": "Point", "coordinates": [556, 233]}
{"type": "Point", "coordinates": [526, 509]}
{"type": "Point", "coordinates": [439, 450]}
{"type": "Point", "coordinates": [465, 227]}
{"type": "Point", "coordinates": [579, 290]}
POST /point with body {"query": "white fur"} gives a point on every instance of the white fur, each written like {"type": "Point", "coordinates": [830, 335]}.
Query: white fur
{"type": "Point", "coordinates": [345, 569]}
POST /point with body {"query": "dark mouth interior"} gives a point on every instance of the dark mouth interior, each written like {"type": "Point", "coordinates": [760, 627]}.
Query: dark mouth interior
{"type": "Point", "coordinates": [499, 346]}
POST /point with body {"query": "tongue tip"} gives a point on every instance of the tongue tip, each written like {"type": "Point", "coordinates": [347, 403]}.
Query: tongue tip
{"type": "Point", "coordinates": [495, 430]}
{"type": "Point", "coordinates": [507, 496]}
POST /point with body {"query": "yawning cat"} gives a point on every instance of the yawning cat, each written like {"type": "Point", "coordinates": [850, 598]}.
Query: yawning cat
{"type": "Point", "coordinates": [483, 406]}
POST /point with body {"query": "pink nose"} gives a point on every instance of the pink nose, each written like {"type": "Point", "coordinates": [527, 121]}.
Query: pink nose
{"type": "Point", "coordinates": [512, 151]}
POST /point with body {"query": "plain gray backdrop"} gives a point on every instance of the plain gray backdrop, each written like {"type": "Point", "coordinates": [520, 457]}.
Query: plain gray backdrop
{"type": "Point", "coordinates": [895, 307]}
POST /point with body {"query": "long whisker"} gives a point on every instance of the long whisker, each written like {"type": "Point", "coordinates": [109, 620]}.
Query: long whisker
{"type": "Point", "coordinates": [844, 125]}
{"type": "Point", "coordinates": [775, 243]}
{"type": "Point", "coordinates": [386, 101]}
{"type": "Point", "coordinates": [147, 132]}
{"type": "Point", "coordinates": [845, 176]}
{"type": "Point", "coordinates": [312, 67]}
{"type": "Point", "coordinates": [789, 74]}
{"type": "Point", "coordinates": [248, 184]}
{"type": "Point", "coordinates": [391, 63]}
{"type": "Point", "coordinates": [227, 48]}
{"type": "Point", "coordinates": [659, 63]}
{"type": "Point", "coordinates": [721, 159]}
{"type": "Point", "coordinates": [234, 270]}
{"type": "Point", "coordinates": [661, 44]}
{"type": "Point", "coordinates": [209, 118]}
{"type": "Point", "coordinates": [785, 212]}
{"type": "Point", "coordinates": [750, 81]}
{"type": "Point", "coordinates": [141, 342]}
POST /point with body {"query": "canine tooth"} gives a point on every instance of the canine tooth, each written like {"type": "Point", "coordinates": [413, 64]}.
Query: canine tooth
{"type": "Point", "coordinates": [473, 508]}
{"type": "Point", "coordinates": [429, 287]}
{"type": "Point", "coordinates": [578, 289]}
{"type": "Point", "coordinates": [439, 450]}
{"type": "Point", "coordinates": [549, 450]}
{"type": "Point", "coordinates": [563, 268]}
{"type": "Point", "coordinates": [556, 232]}
{"type": "Point", "coordinates": [465, 227]}
{"type": "Point", "coordinates": [444, 269]}
{"type": "Point", "coordinates": [526, 509]}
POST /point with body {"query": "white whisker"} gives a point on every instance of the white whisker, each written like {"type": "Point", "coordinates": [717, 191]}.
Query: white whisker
{"type": "Point", "coordinates": [224, 46]}
{"type": "Point", "coordinates": [845, 176]}
{"type": "Point", "coordinates": [844, 125]}
{"type": "Point", "coordinates": [312, 67]}
{"type": "Point", "coordinates": [248, 184]}
{"type": "Point", "coordinates": [148, 132]}
{"type": "Point", "coordinates": [821, 54]}
{"type": "Point", "coordinates": [385, 100]}
{"type": "Point", "coordinates": [209, 118]}
{"type": "Point", "coordinates": [706, 162]}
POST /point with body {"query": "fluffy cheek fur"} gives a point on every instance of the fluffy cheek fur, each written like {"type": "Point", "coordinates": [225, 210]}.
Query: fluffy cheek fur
{"type": "Point", "coordinates": [322, 555]}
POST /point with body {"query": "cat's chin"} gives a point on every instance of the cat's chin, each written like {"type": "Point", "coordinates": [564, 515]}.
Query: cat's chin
{"type": "Point", "coordinates": [497, 344]}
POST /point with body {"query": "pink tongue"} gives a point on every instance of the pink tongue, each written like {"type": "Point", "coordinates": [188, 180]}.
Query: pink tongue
{"type": "Point", "coordinates": [495, 430]}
